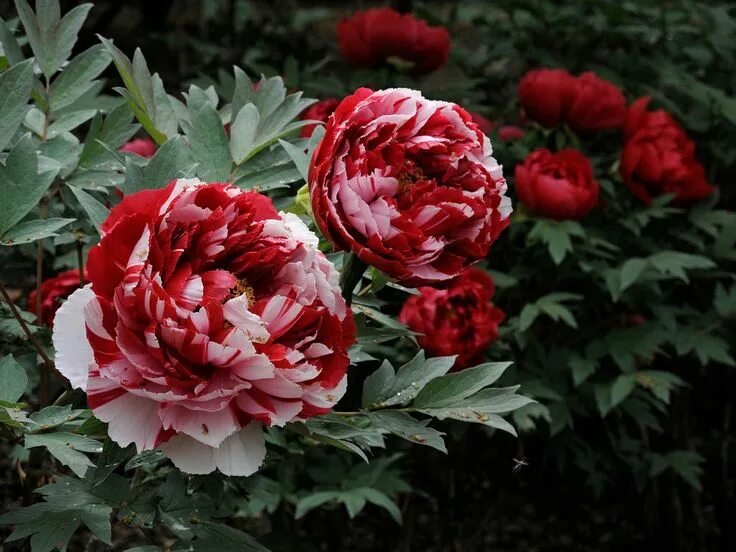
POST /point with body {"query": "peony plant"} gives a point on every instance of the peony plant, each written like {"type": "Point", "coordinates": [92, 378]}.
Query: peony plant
{"type": "Point", "coordinates": [211, 321]}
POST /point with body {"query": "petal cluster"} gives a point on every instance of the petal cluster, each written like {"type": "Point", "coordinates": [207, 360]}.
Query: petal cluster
{"type": "Point", "coordinates": [659, 158]}
{"type": "Point", "coordinates": [557, 185]}
{"type": "Point", "coordinates": [208, 314]}
{"type": "Point", "coordinates": [459, 320]}
{"type": "Point", "coordinates": [408, 185]}
{"type": "Point", "coordinates": [375, 35]}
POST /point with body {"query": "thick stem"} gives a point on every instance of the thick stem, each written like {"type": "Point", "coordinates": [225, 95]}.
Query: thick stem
{"type": "Point", "coordinates": [352, 272]}
{"type": "Point", "coordinates": [80, 262]}
{"type": "Point", "coordinates": [36, 345]}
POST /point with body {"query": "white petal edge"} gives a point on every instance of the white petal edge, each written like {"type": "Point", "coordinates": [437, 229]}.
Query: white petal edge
{"type": "Point", "coordinates": [130, 419]}
{"type": "Point", "coordinates": [74, 356]}
{"type": "Point", "coordinates": [241, 454]}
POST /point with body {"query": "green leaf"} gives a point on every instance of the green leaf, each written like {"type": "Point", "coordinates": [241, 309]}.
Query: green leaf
{"type": "Point", "coordinates": [630, 272]}
{"type": "Point", "coordinates": [33, 230]}
{"type": "Point", "coordinates": [78, 77]}
{"type": "Point", "coordinates": [207, 138]}
{"type": "Point", "coordinates": [170, 162]}
{"type": "Point", "coordinates": [385, 388]}
{"type": "Point", "coordinates": [405, 426]}
{"type": "Point", "coordinates": [15, 90]}
{"type": "Point", "coordinates": [22, 186]}
{"type": "Point", "coordinates": [675, 263]}
{"type": "Point", "coordinates": [297, 155]}
{"type": "Point", "coordinates": [13, 379]}
{"type": "Point", "coordinates": [452, 388]}
{"type": "Point", "coordinates": [9, 44]}
{"type": "Point", "coordinates": [384, 501]}
{"type": "Point", "coordinates": [243, 132]}
{"type": "Point", "coordinates": [314, 500]}
{"type": "Point", "coordinates": [95, 210]}
{"type": "Point", "coordinates": [115, 130]}
{"type": "Point", "coordinates": [622, 388]}
{"type": "Point", "coordinates": [70, 121]}
{"type": "Point", "coordinates": [51, 38]}
{"type": "Point", "coordinates": [68, 448]}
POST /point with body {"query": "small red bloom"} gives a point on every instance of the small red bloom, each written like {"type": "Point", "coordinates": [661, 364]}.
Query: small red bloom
{"type": "Point", "coordinates": [597, 105]}
{"type": "Point", "coordinates": [408, 185]}
{"type": "Point", "coordinates": [459, 320]}
{"type": "Point", "coordinates": [484, 123]}
{"type": "Point", "coordinates": [510, 132]}
{"type": "Point", "coordinates": [546, 95]}
{"type": "Point", "coordinates": [53, 291]}
{"type": "Point", "coordinates": [371, 37]}
{"type": "Point", "coordinates": [145, 147]}
{"type": "Point", "coordinates": [658, 157]}
{"type": "Point", "coordinates": [320, 111]}
{"type": "Point", "coordinates": [557, 185]}
{"type": "Point", "coordinates": [586, 103]}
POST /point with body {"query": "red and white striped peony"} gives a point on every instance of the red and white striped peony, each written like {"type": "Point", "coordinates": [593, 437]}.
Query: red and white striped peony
{"type": "Point", "coordinates": [408, 185]}
{"type": "Point", "coordinates": [208, 315]}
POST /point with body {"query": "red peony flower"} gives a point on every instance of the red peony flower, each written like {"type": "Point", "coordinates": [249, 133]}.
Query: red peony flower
{"type": "Point", "coordinates": [459, 320]}
{"type": "Point", "coordinates": [53, 291]}
{"type": "Point", "coordinates": [408, 185]}
{"type": "Point", "coordinates": [320, 111]}
{"type": "Point", "coordinates": [658, 157]}
{"type": "Point", "coordinates": [586, 103]}
{"type": "Point", "coordinates": [510, 132]}
{"type": "Point", "coordinates": [557, 185]}
{"type": "Point", "coordinates": [597, 105]}
{"type": "Point", "coordinates": [208, 314]}
{"type": "Point", "coordinates": [546, 95]}
{"type": "Point", "coordinates": [145, 147]}
{"type": "Point", "coordinates": [373, 36]}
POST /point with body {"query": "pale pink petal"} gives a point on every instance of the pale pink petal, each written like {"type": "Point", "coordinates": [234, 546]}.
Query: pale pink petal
{"type": "Point", "coordinates": [74, 356]}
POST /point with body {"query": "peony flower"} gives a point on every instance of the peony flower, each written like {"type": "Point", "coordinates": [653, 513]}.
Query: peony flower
{"type": "Point", "coordinates": [459, 320]}
{"type": "Point", "coordinates": [557, 185]}
{"type": "Point", "coordinates": [320, 111]}
{"type": "Point", "coordinates": [53, 291]}
{"type": "Point", "coordinates": [585, 103]}
{"type": "Point", "coordinates": [658, 157]}
{"type": "Point", "coordinates": [598, 105]}
{"type": "Point", "coordinates": [145, 147]}
{"type": "Point", "coordinates": [208, 315]}
{"type": "Point", "coordinates": [373, 36]}
{"type": "Point", "coordinates": [546, 95]}
{"type": "Point", "coordinates": [408, 185]}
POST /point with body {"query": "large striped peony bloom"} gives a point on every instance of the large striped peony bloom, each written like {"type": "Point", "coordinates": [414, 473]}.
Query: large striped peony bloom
{"type": "Point", "coordinates": [408, 185]}
{"type": "Point", "coordinates": [208, 315]}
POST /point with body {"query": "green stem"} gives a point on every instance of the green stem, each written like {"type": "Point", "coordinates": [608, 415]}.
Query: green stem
{"type": "Point", "coordinates": [352, 272]}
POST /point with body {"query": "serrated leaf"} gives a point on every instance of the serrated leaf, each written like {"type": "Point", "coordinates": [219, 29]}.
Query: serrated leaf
{"type": "Point", "coordinates": [168, 163]}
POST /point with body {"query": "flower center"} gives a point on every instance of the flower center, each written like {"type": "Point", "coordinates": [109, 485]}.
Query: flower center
{"type": "Point", "coordinates": [242, 288]}
{"type": "Point", "coordinates": [407, 178]}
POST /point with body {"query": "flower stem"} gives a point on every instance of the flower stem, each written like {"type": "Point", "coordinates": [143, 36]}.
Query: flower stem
{"type": "Point", "coordinates": [48, 363]}
{"type": "Point", "coordinates": [352, 272]}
